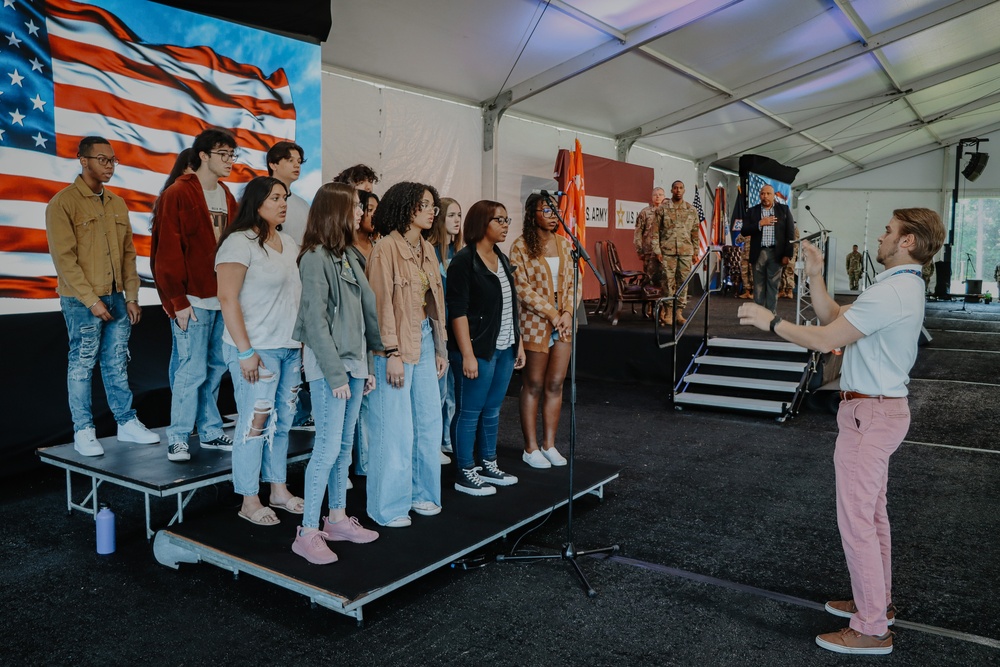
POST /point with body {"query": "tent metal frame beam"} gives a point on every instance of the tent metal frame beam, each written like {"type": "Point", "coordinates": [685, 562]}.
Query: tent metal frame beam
{"type": "Point", "coordinates": [819, 63]}
{"type": "Point", "coordinates": [898, 157]}
{"type": "Point", "coordinates": [860, 105]}
{"type": "Point", "coordinates": [613, 48]}
{"type": "Point", "coordinates": [869, 139]}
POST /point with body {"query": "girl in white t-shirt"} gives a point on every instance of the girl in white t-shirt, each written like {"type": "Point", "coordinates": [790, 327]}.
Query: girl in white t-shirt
{"type": "Point", "coordinates": [259, 291]}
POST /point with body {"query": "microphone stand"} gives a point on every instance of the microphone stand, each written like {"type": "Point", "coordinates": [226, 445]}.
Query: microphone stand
{"type": "Point", "coordinates": [570, 553]}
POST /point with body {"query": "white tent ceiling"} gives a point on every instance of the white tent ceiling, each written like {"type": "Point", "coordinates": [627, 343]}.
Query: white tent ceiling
{"type": "Point", "coordinates": [835, 87]}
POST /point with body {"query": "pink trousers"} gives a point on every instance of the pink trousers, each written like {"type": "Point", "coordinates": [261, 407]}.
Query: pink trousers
{"type": "Point", "coordinates": [871, 429]}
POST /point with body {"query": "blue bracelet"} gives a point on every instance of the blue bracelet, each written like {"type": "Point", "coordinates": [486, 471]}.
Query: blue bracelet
{"type": "Point", "coordinates": [242, 356]}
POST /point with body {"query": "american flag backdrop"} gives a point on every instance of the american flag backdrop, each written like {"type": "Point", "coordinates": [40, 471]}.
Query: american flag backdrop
{"type": "Point", "coordinates": [782, 191]}
{"type": "Point", "coordinates": [71, 69]}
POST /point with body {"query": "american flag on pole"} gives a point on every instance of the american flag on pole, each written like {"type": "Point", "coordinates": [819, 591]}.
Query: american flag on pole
{"type": "Point", "coordinates": [69, 70]}
{"type": "Point", "coordinates": [702, 225]}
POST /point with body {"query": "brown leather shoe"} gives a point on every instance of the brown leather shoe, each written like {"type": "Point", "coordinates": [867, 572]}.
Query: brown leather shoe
{"type": "Point", "coordinates": [746, 295]}
{"type": "Point", "coordinates": [680, 319]}
{"type": "Point", "coordinates": [847, 609]}
{"type": "Point", "coordinates": [666, 317]}
{"type": "Point", "coordinates": [849, 640]}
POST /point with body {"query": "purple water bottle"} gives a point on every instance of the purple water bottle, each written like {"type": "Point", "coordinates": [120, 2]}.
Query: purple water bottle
{"type": "Point", "coordinates": [105, 521]}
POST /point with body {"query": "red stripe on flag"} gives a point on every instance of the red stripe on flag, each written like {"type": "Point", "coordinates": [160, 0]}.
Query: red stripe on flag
{"type": "Point", "coordinates": [197, 55]}
{"type": "Point", "coordinates": [114, 64]}
{"type": "Point", "coordinates": [23, 239]}
{"type": "Point", "coordinates": [167, 120]}
{"type": "Point", "coordinates": [18, 287]}
{"type": "Point", "coordinates": [29, 189]}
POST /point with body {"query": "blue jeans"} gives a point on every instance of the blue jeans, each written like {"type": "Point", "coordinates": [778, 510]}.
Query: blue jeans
{"type": "Point", "coordinates": [90, 339]}
{"type": "Point", "coordinates": [327, 469]}
{"type": "Point", "coordinates": [263, 452]}
{"type": "Point", "coordinates": [198, 366]}
{"type": "Point", "coordinates": [477, 404]}
{"type": "Point", "coordinates": [447, 386]}
{"type": "Point", "coordinates": [361, 437]}
{"type": "Point", "coordinates": [404, 460]}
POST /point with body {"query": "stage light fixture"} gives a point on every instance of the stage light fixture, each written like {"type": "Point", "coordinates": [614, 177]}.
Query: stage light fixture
{"type": "Point", "coordinates": [977, 163]}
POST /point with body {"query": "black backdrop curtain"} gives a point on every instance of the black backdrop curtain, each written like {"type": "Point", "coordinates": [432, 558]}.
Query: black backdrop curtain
{"type": "Point", "coordinates": [302, 18]}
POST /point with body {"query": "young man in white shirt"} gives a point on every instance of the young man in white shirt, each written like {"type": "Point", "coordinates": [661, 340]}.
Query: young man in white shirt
{"type": "Point", "coordinates": [284, 162]}
{"type": "Point", "coordinates": [879, 333]}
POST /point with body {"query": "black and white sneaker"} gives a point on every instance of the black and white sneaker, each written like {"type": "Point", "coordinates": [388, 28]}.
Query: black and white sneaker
{"type": "Point", "coordinates": [469, 481]}
{"type": "Point", "coordinates": [223, 442]}
{"type": "Point", "coordinates": [493, 475]}
{"type": "Point", "coordinates": [178, 451]}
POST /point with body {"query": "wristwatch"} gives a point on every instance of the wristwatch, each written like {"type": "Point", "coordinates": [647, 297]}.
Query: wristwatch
{"type": "Point", "coordinates": [774, 323]}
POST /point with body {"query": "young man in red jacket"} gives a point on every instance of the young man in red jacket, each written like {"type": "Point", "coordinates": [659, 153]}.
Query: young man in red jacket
{"type": "Point", "coordinates": [191, 215]}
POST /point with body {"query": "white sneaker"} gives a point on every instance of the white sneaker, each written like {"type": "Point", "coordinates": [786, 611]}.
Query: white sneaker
{"type": "Point", "coordinates": [426, 508]}
{"type": "Point", "coordinates": [399, 522]}
{"type": "Point", "coordinates": [135, 431]}
{"type": "Point", "coordinates": [536, 459]}
{"type": "Point", "coordinates": [554, 457]}
{"type": "Point", "coordinates": [445, 459]}
{"type": "Point", "coordinates": [85, 442]}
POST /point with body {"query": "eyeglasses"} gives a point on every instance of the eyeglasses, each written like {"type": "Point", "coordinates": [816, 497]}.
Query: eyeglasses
{"type": "Point", "coordinates": [359, 206]}
{"type": "Point", "coordinates": [102, 160]}
{"type": "Point", "coordinates": [226, 156]}
{"type": "Point", "coordinates": [546, 211]}
{"type": "Point", "coordinates": [424, 205]}
{"type": "Point", "coordinates": [502, 220]}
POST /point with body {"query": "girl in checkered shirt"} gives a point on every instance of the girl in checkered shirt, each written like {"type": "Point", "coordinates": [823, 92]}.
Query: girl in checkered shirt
{"type": "Point", "coordinates": [544, 274]}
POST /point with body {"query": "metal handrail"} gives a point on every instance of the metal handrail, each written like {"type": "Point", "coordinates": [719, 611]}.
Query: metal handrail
{"type": "Point", "coordinates": [704, 266]}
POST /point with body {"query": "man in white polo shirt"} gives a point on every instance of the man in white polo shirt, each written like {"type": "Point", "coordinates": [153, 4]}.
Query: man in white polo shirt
{"type": "Point", "coordinates": [879, 333]}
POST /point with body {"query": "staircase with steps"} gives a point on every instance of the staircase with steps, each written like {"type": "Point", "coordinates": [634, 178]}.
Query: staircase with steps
{"type": "Point", "coordinates": [760, 376]}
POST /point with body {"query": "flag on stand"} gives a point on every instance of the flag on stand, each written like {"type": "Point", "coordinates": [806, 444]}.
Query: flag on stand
{"type": "Point", "coordinates": [703, 231]}
{"type": "Point", "coordinates": [720, 224]}
{"type": "Point", "coordinates": [739, 212]}
{"type": "Point", "coordinates": [71, 70]}
{"type": "Point", "coordinates": [573, 204]}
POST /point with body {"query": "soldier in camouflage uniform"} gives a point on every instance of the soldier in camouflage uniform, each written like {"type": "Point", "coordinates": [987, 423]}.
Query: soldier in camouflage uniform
{"type": "Point", "coordinates": [854, 267]}
{"type": "Point", "coordinates": [787, 287]}
{"type": "Point", "coordinates": [677, 221]}
{"type": "Point", "coordinates": [746, 272]}
{"type": "Point", "coordinates": [644, 239]}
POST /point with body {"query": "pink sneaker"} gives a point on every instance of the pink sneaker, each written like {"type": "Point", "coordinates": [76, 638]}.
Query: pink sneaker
{"type": "Point", "coordinates": [348, 530]}
{"type": "Point", "coordinates": [312, 547]}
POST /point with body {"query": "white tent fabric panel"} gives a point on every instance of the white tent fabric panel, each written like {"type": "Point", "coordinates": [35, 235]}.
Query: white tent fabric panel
{"type": "Point", "coordinates": [353, 124]}
{"type": "Point", "coordinates": [433, 141]}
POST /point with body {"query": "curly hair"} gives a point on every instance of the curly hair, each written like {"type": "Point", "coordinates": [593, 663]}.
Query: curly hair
{"type": "Point", "coordinates": [356, 174]}
{"type": "Point", "coordinates": [248, 214]}
{"type": "Point", "coordinates": [398, 206]}
{"type": "Point", "coordinates": [529, 228]}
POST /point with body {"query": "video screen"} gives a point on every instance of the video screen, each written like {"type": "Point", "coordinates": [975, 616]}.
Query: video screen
{"type": "Point", "coordinates": [148, 78]}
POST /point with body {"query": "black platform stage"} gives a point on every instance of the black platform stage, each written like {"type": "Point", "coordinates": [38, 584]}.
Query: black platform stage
{"type": "Point", "coordinates": [365, 572]}
{"type": "Point", "coordinates": [145, 468]}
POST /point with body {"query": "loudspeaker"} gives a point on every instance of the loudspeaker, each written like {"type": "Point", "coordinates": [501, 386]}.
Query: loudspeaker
{"type": "Point", "coordinates": [977, 163]}
{"type": "Point", "coordinates": [942, 272]}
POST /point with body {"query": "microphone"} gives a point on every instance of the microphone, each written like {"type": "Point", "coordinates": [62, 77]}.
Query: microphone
{"type": "Point", "coordinates": [821, 226]}
{"type": "Point", "coordinates": [548, 193]}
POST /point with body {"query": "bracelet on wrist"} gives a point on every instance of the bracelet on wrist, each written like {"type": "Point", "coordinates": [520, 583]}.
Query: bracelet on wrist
{"type": "Point", "coordinates": [243, 356]}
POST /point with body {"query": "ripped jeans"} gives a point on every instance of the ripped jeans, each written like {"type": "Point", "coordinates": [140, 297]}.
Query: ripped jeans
{"type": "Point", "coordinates": [266, 408]}
{"type": "Point", "coordinates": [92, 339]}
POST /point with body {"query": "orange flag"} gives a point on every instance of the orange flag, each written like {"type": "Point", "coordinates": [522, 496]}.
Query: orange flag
{"type": "Point", "coordinates": [573, 204]}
